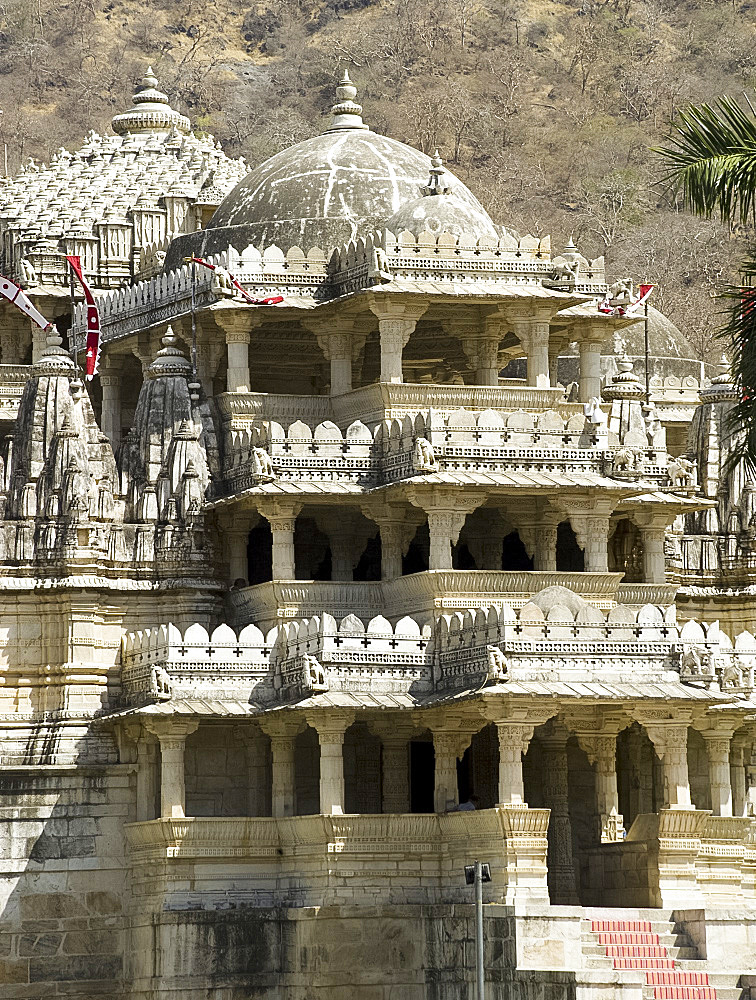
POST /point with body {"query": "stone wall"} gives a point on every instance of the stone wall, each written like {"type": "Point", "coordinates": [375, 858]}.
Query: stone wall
{"type": "Point", "coordinates": [333, 953]}
{"type": "Point", "coordinates": [62, 881]}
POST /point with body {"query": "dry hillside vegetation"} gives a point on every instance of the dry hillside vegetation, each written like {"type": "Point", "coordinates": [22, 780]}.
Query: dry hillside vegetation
{"type": "Point", "coordinates": [546, 108]}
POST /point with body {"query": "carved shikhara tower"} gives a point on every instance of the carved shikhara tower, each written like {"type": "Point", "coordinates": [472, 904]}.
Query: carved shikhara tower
{"type": "Point", "coordinates": [266, 620]}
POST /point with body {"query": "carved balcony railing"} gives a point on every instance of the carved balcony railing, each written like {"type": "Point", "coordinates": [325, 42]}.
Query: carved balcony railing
{"type": "Point", "coordinates": [316, 860]}
{"type": "Point", "coordinates": [12, 381]}
{"type": "Point", "coordinates": [420, 655]}
{"type": "Point", "coordinates": [421, 594]}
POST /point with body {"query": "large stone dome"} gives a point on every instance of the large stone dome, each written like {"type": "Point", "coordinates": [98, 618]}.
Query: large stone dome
{"type": "Point", "coordinates": [324, 191]}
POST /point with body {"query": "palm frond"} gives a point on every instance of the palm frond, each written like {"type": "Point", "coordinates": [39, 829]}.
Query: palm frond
{"type": "Point", "coordinates": [712, 159]}
{"type": "Point", "coordinates": [740, 334]}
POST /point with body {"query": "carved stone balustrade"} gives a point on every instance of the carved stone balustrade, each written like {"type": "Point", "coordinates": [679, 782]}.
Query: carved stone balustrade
{"type": "Point", "coordinates": [321, 860]}
{"type": "Point", "coordinates": [416, 594]}
{"type": "Point", "coordinates": [12, 381]}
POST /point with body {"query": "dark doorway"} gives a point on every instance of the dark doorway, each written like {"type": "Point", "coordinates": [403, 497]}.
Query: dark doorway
{"type": "Point", "coordinates": [260, 553]}
{"type": "Point", "coordinates": [569, 555]}
{"type": "Point", "coordinates": [416, 559]}
{"type": "Point", "coordinates": [422, 776]}
{"type": "Point", "coordinates": [369, 566]}
{"type": "Point", "coordinates": [513, 555]}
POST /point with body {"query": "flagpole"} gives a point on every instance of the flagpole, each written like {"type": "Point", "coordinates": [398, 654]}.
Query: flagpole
{"type": "Point", "coordinates": [645, 338]}
{"type": "Point", "coordinates": [194, 321]}
{"type": "Point", "coordinates": [72, 293]}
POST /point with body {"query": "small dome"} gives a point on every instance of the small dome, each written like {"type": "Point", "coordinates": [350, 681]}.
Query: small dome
{"type": "Point", "coordinates": [151, 112]}
{"type": "Point", "coordinates": [439, 210]}
{"type": "Point", "coordinates": [666, 341]}
{"type": "Point", "coordinates": [337, 186]}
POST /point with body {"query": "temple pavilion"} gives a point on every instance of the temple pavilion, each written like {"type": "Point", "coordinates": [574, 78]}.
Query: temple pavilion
{"type": "Point", "coordinates": [282, 597]}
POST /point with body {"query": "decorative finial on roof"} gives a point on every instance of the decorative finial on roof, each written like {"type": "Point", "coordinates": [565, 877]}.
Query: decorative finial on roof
{"type": "Point", "coordinates": [151, 112]}
{"type": "Point", "coordinates": [434, 185]}
{"type": "Point", "coordinates": [345, 114]}
{"type": "Point", "coordinates": [722, 387]}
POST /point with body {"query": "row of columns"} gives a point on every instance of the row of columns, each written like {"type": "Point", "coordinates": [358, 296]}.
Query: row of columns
{"type": "Point", "coordinates": [732, 791]}
{"type": "Point", "coordinates": [343, 338]}
{"type": "Point", "coordinates": [446, 512]}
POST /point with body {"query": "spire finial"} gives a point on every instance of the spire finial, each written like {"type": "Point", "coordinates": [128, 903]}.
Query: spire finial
{"type": "Point", "coordinates": [434, 185]}
{"type": "Point", "coordinates": [345, 113]}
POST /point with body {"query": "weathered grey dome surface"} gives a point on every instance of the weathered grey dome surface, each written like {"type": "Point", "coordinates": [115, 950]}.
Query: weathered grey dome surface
{"type": "Point", "coordinates": [324, 191]}
{"type": "Point", "coordinates": [443, 213]}
{"type": "Point", "coordinates": [664, 338]}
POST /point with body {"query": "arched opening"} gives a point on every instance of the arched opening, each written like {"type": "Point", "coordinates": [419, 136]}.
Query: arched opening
{"type": "Point", "coordinates": [422, 759]}
{"type": "Point", "coordinates": [417, 556]}
{"type": "Point", "coordinates": [514, 555]}
{"type": "Point", "coordinates": [362, 770]}
{"type": "Point", "coordinates": [639, 782]}
{"type": "Point", "coordinates": [307, 773]}
{"type": "Point", "coordinates": [260, 553]}
{"type": "Point", "coordinates": [626, 551]}
{"type": "Point", "coordinates": [698, 771]}
{"type": "Point", "coordinates": [569, 556]}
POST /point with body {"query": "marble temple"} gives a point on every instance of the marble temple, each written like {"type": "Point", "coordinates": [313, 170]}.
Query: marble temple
{"type": "Point", "coordinates": [368, 553]}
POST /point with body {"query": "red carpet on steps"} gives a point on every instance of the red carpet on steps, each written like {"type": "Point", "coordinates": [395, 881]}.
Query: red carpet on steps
{"type": "Point", "coordinates": [633, 945]}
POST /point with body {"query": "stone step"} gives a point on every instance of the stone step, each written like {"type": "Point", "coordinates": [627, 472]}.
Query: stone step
{"type": "Point", "coordinates": [685, 953]}
{"type": "Point", "coordinates": [676, 977]}
{"type": "Point", "coordinates": [669, 939]}
{"type": "Point", "coordinates": [628, 937]}
{"type": "Point", "coordinates": [720, 993]}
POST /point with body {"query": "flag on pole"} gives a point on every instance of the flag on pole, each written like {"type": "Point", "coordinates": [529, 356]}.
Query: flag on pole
{"type": "Point", "coordinates": [93, 319]}
{"type": "Point", "coordinates": [18, 297]}
{"type": "Point", "coordinates": [272, 300]}
{"type": "Point", "coordinates": [644, 291]}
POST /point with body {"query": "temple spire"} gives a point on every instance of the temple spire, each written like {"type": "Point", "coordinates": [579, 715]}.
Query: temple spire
{"type": "Point", "coordinates": [151, 112]}
{"type": "Point", "coordinates": [435, 185]}
{"type": "Point", "coordinates": [345, 114]}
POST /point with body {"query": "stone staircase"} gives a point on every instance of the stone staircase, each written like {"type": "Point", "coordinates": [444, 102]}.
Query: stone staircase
{"type": "Point", "coordinates": [654, 946]}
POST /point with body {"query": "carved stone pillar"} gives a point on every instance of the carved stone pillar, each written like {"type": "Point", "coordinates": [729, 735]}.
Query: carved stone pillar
{"type": "Point", "coordinates": [236, 546]}
{"type": "Point", "coordinates": [671, 745]}
{"type": "Point", "coordinates": [111, 407]}
{"type": "Point", "coordinates": [283, 738]}
{"type": "Point", "coordinates": [718, 751]}
{"type": "Point", "coordinates": [480, 342]}
{"type": "Point", "coordinates": [446, 518]}
{"type": "Point", "coordinates": [590, 369]}
{"type": "Point", "coordinates": [282, 518]}
{"type": "Point", "coordinates": [533, 334]}
{"type": "Point", "coordinates": [562, 881]}
{"type": "Point", "coordinates": [396, 323]}
{"type": "Point", "coordinates": [397, 526]}
{"type": "Point", "coordinates": [238, 324]}
{"type": "Point", "coordinates": [601, 750]}
{"type": "Point", "coordinates": [331, 728]}
{"type": "Point", "coordinates": [254, 744]}
{"type": "Point", "coordinates": [590, 522]}
{"type": "Point", "coordinates": [395, 789]}
{"type": "Point", "coordinates": [738, 751]}
{"type": "Point", "coordinates": [652, 529]}
{"type": "Point", "coordinates": [544, 558]}
{"type": "Point", "coordinates": [751, 784]}
{"type": "Point", "coordinates": [146, 790]}
{"type": "Point", "coordinates": [448, 745]}
{"type": "Point", "coordinates": [514, 738]}
{"type": "Point", "coordinates": [341, 345]}
{"type": "Point", "coordinates": [172, 735]}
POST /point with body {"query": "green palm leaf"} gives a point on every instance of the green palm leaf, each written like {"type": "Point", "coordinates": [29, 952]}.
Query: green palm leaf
{"type": "Point", "coordinates": [740, 331]}
{"type": "Point", "coordinates": [712, 159]}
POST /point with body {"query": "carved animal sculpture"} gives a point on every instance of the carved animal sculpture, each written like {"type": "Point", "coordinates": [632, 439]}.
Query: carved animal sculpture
{"type": "Point", "coordinates": [221, 283]}
{"type": "Point", "coordinates": [566, 270]}
{"type": "Point", "coordinates": [315, 674]}
{"type": "Point", "coordinates": [497, 664]}
{"type": "Point", "coordinates": [732, 676]}
{"type": "Point", "coordinates": [623, 460]}
{"type": "Point", "coordinates": [424, 458]}
{"type": "Point", "coordinates": [28, 274]}
{"type": "Point", "coordinates": [621, 292]}
{"type": "Point", "coordinates": [696, 661]}
{"type": "Point", "coordinates": [160, 682]}
{"type": "Point", "coordinates": [378, 268]}
{"type": "Point", "coordinates": [262, 465]}
{"type": "Point", "coordinates": [682, 473]}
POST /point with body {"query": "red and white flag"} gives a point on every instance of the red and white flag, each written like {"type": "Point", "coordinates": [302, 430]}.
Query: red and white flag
{"type": "Point", "coordinates": [272, 300]}
{"type": "Point", "coordinates": [18, 297]}
{"type": "Point", "coordinates": [644, 291]}
{"type": "Point", "coordinates": [93, 319]}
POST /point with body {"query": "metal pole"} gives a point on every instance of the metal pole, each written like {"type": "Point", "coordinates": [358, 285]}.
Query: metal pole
{"type": "Point", "coordinates": [645, 336]}
{"type": "Point", "coordinates": [194, 322]}
{"type": "Point", "coordinates": [479, 970]}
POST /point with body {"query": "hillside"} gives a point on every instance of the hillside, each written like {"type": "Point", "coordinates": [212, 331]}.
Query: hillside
{"type": "Point", "coordinates": [546, 108]}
